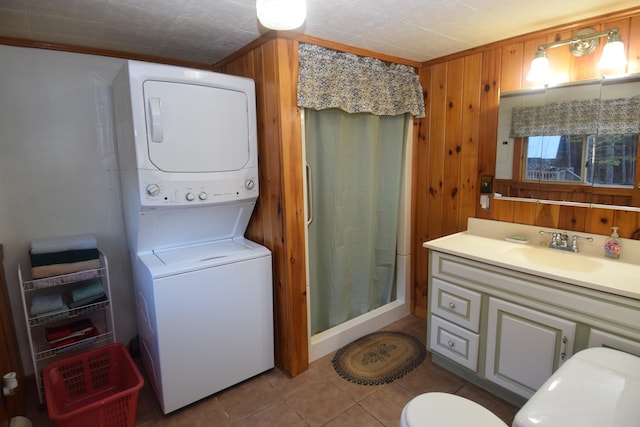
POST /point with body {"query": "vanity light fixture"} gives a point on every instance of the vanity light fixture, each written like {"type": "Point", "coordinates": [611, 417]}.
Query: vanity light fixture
{"type": "Point", "coordinates": [584, 42]}
{"type": "Point", "coordinates": [281, 15]}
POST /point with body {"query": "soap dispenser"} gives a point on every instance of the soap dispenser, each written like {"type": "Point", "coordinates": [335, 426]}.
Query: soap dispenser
{"type": "Point", "coordinates": [612, 246]}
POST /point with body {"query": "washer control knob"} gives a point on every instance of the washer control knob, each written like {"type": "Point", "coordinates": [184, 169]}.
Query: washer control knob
{"type": "Point", "coordinates": [153, 189]}
{"type": "Point", "coordinates": [190, 197]}
{"type": "Point", "coordinates": [203, 196]}
{"type": "Point", "coordinates": [249, 184]}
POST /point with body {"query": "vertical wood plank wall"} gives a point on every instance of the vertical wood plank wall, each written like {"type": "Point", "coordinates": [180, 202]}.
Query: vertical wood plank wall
{"type": "Point", "coordinates": [458, 137]}
{"type": "Point", "coordinates": [278, 220]}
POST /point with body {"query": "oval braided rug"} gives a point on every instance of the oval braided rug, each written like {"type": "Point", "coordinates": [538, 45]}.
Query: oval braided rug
{"type": "Point", "coordinates": [379, 358]}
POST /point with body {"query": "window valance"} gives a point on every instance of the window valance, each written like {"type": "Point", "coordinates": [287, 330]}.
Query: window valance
{"type": "Point", "coordinates": [356, 84]}
{"type": "Point", "coordinates": [578, 117]}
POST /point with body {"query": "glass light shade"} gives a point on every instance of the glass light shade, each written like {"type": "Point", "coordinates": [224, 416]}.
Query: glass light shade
{"type": "Point", "coordinates": [281, 14]}
{"type": "Point", "coordinates": [613, 57]}
{"type": "Point", "coordinates": [539, 71]}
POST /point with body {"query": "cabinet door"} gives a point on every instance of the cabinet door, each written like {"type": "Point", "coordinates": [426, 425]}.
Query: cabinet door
{"type": "Point", "coordinates": [599, 338]}
{"type": "Point", "coordinates": [525, 346]}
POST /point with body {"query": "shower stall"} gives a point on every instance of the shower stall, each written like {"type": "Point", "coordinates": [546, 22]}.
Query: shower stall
{"type": "Point", "coordinates": [388, 298]}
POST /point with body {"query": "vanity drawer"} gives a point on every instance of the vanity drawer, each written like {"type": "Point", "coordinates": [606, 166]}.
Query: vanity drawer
{"type": "Point", "coordinates": [454, 342]}
{"type": "Point", "coordinates": [456, 304]}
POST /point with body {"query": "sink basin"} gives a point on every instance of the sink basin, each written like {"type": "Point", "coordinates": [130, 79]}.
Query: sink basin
{"type": "Point", "coordinates": [554, 258]}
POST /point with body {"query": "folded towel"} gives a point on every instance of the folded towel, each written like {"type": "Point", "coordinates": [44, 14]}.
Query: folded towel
{"type": "Point", "coordinates": [63, 331]}
{"type": "Point", "coordinates": [59, 269]}
{"type": "Point", "coordinates": [66, 243]}
{"type": "Point", "coordinates": [41, 304]}
{"type": "Point", "coordinates": [70, 333]}
{"type": "Point", "coordinates": [86, 301]}
{"type": "Point", "coordinates": [87, 290]}
{"type": "Point", "coordinates": [48, 282]}
{"type": "Point", "coordinates": [64, 257]}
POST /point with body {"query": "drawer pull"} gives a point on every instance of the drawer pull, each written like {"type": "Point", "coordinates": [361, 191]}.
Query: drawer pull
{"type": "Point", "coordinates": [451, 344]}
{"type": "Point", "coordinates": [452, 305]}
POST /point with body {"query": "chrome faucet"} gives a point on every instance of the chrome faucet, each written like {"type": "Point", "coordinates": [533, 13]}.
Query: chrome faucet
{"type": "Point", "coordinates": [560, 240]}
{"type": "Point", "coordinates": [574, 241]}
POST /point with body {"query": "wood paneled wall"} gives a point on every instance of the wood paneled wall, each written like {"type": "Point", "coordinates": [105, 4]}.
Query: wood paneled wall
{"type": "Point", "coordinates": [458, 137]}
{"type": "Point", "coordinates": [278, 221]}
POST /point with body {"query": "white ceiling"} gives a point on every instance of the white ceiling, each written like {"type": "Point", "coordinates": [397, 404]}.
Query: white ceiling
{"type": "Point", "coordinates": [208, 30]}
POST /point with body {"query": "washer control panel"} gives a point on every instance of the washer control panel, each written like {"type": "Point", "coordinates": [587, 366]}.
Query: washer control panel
{"type": "Point", "coordinates": [158, 192]}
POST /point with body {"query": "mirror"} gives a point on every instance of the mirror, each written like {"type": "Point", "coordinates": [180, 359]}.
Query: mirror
{"type": "Point", "coordinates": [574, 143]}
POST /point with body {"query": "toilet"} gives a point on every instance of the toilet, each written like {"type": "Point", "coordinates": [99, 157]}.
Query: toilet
{"type": "Point", "coordinates": [594, 388]}
{"type": "Point", "coordinates": [446, 410]}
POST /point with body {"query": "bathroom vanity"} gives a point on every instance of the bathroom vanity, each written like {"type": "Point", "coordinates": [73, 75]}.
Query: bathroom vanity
{"type": "Point", "coordinates": [506, 314]}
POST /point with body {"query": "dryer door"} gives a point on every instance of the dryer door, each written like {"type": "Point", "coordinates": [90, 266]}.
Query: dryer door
{"type": "Point", "coordinates": [193, 128]}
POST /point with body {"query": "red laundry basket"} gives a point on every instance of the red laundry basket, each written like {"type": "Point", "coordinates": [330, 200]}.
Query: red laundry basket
{"type": "Point", "coordinates": [96, 388]}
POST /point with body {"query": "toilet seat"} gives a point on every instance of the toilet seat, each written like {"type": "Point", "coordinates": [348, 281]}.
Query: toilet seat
{"type": "Point", "coordinates": [446, 410]}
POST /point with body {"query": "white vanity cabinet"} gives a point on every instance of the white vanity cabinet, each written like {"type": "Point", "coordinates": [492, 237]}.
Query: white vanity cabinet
{"type": "Point", "coordinates": [509, 330]}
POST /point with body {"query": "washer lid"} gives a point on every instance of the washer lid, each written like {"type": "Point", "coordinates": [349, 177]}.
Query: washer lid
{"type": "Point", "coordinates": [594, 388]}
{"type": "Point", "coordinates": [202, 252]}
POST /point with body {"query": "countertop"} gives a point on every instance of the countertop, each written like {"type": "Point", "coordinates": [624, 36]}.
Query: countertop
{"type": "Point", "coordinates": [484, 242]}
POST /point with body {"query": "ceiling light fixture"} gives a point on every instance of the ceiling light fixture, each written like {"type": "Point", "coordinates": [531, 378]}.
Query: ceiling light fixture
{"type": "Point", "coordinates": [583, 43]}
{"type": "Point", "coordinates": [281, 15]}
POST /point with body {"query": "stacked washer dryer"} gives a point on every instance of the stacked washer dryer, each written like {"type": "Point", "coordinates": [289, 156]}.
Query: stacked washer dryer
{"type": "Point", "coordinates": [189, 174]}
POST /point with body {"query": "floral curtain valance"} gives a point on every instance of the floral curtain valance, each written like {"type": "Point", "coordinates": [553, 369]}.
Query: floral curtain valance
{"type": "Point", "coordinates": [588, 116]}
{"type": "Point", "coordinates": [356, 84]}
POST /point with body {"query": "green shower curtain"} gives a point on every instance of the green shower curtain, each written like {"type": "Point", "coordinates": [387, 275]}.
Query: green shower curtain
{"type": "Point", "coordinates": [356, 164]}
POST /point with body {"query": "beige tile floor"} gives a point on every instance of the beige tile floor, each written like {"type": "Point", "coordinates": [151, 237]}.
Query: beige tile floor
{"type": "Point", "coordinates": [317, 397]}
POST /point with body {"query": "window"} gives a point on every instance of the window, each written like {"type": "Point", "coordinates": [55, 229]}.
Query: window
{"type": "Point", "coordinates": [605, 160]}
{"type": "Point", "coordinates": [613, 159]}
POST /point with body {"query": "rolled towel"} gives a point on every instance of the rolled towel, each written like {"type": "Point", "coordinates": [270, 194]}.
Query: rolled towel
{"type": "Point", "coordinates": [64, 257]}
{"type": "Point", "coordinates": [61, 244]}
{"type": "Point", "coordinates": [41, 304]}
{"type": "Point", "coordinates": [87, 290]}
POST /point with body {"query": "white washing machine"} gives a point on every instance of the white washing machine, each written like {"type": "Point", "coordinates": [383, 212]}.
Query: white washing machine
{"type": "Point", "coordinates": [189, 175]}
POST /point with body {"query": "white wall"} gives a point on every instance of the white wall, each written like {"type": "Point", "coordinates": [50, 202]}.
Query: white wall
{"type": "Point", "coordinates": [58, 167]}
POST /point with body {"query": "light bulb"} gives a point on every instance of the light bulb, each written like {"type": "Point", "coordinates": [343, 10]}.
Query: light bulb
{"type": "Point", "coordinates": [539, 71]}
{"type": "Point", "coordinates": [281, 14]}
{"type": "Point", "coordinates": [613, 57]}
